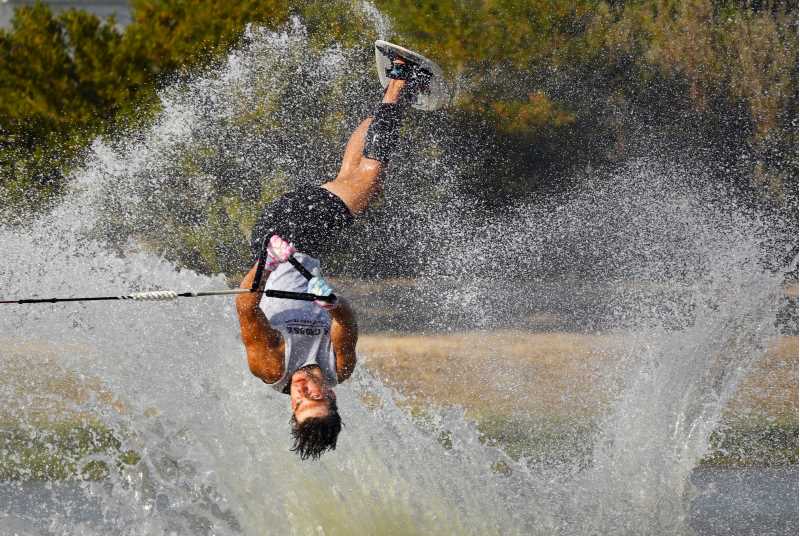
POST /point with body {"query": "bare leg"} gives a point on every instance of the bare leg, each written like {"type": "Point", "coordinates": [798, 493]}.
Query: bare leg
{"type": "Point", "coordinates": [353, 151]}
{"type": "Point", "coordinates": [358, 180]}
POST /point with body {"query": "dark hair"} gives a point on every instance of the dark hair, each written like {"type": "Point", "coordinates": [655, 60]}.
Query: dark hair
{"type": "Point", "coordinates": [315, 435]}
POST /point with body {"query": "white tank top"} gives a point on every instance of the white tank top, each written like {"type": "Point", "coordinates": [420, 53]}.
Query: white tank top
{"type": "Point", "coordinates": [305, 326]}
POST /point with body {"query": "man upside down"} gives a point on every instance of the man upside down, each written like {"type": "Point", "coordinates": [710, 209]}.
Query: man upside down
{"type": "Point", "coordinates": [305, 349]}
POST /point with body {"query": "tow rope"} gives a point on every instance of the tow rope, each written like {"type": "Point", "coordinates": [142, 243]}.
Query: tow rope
{"type": "Point", "coordinates": [168, 295]}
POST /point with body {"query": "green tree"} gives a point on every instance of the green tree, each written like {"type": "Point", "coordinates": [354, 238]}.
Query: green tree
{"type": "Point", "coordinates": [63, 80]}
{"type": "Point", "coordinates": [179, 34]}
{"type": "Point", "coordinates": [567, 74]}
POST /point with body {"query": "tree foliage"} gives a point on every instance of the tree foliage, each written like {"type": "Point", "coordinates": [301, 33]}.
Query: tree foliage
{"type": "Point", "coordinates": [58, 85]}
{"type": "Point", "coordinates": [544, 88]}
{"type": "Point", "coordinates": [721, 72]}
{"type": "Point", "coordinates": [65, 79]}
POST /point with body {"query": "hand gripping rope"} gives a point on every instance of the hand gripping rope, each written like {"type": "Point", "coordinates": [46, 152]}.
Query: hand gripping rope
{"type": "Point", "coordinates": [262, 260]}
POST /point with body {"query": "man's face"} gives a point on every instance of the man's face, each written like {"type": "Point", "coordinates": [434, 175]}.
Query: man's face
{"type": "Point", "coordinates": [310, 396]}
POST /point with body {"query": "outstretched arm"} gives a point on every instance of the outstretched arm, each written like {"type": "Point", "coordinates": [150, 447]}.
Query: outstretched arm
{"type": "Point", "coordinates": [344, 335]}
{"type": "Point", "coordinates": [264, 345]}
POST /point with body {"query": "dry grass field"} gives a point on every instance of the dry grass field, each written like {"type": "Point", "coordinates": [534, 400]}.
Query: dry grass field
{"type": "Point", "coordinates": [535, 393]}
{"type": "Point", "coordinates": [553, 374]}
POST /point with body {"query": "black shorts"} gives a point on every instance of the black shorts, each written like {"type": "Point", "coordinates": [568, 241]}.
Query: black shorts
{"type": "Point", "coordinates": [313, 219]}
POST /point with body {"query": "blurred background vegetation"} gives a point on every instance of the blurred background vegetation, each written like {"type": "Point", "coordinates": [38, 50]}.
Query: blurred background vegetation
{"type": "Point", "coordinates": [546, 92]}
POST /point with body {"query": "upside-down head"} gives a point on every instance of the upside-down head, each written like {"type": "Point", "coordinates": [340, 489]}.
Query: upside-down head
{"type": "Point", "coordinates": [315, 417]}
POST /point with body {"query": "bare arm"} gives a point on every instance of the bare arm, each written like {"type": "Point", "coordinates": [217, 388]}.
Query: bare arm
{"type": "Point", "coordinates": [264, 345]}
{"type": "Point", "coordinates": [344, 335]}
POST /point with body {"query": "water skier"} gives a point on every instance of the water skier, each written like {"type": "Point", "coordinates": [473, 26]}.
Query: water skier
{"type": "Point", "coordinates": [305, 349]}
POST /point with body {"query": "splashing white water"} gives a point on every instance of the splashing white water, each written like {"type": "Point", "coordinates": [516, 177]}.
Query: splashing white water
{"type": "Point", "coordinates": [694, 301]}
